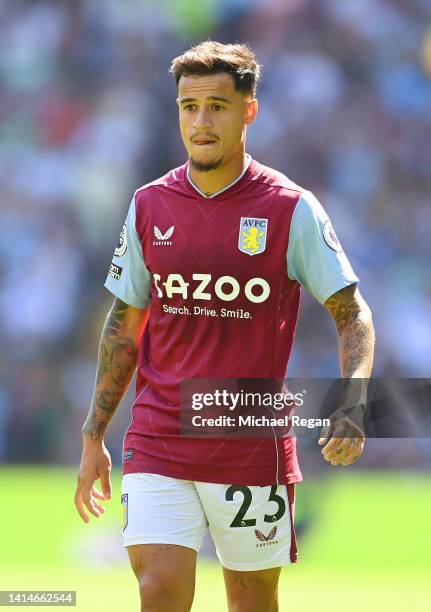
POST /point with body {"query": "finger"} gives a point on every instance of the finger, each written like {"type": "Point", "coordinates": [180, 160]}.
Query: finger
{"type": "Point", "coordinates": [356, 448]}
{"type": "Point", "coordinates": [333, 456]}
{"type": "Point", "coordinates": [351, 458]}
{"type": "Point", "coordinates": [98, 506]}
{"type": "Point", "coordinates": [88, 502]}
{"type": "Point", "coordinates": [91, 507]}
{"type": "Point", "coordinates": [97, 494]}
{"type": "Point", "coordinates": [351, 453]}
{"type": "Point", "coordinates": [337, 452]}
{"type": "Point", "coordinates": [353, 450]}
{"type": "Point", "coordinates": [332, 445]}
{"type": "Point", "coordinates": [325, 434]}
{"type": "Point", "coordinates": [80, 506]}
{"type": "Point", "coordinates": [355, 454]}
{"type": "Point", "coordinates": [334, 459]}
{"type": "Point", "coordinates": [347, 445]}
{"type": "Point", "coordinates": [347, 460]}
{"type": "Point", "coordinates": [105, 483]}
{"type": "Point", "coordinates": [337, 459]}
{"type": "Point", "coordinates": [339, 439]}
{"type": "Point", "coordinates": [335, 462]}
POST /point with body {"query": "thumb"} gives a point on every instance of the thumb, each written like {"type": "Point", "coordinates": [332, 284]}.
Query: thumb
{"type": "Point", "coordinates": [105, 483]}
{"type": "Point", "coordinates": [324, 434]}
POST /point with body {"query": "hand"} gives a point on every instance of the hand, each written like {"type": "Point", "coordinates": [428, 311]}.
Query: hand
{"type": "Point", "coordinates": [95, 464]}
{"type": "Point", "coordinates": [346, 440]}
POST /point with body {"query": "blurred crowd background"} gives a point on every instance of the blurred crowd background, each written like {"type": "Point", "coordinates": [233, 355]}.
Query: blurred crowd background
{"type": "Point", "coordinates": [88, 114]}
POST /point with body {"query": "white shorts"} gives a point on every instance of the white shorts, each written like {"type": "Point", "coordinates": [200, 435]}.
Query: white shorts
{"type": "Point", "coordinates": [252, 526]}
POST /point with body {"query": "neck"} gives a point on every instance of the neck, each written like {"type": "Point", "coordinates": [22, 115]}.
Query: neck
{"type": "Point", "coordinates": [215, 180]}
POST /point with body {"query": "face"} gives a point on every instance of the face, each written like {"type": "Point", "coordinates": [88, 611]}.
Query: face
{"type": "Point", "coordinates": [213, 119]}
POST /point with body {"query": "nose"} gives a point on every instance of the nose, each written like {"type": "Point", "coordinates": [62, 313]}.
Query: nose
{"type": "Point", "coordinates": [202, 119]}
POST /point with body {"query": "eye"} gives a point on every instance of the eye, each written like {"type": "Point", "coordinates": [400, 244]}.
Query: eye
{"type": "Point", "coordinates": [217, 107]}
{"type": "Point", "coordinates": [189, 107]}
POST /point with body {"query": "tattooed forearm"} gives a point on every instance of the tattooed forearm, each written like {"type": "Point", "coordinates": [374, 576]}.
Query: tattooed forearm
{"type": "Point", "coordinates": [111, 328]}
{"type": "Point", "coordinates": [355, 330]}
{"type": "Point", "coordinates": [118, 353]}
{"type": "Point", "coordinates": [116, 317]}
{"type": "Point", "coordinates": [94, 428]}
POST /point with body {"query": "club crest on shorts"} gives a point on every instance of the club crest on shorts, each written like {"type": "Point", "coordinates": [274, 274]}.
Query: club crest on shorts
{"type": "Point", "coordinates": [124, 510]}
{"type": "Point", "coordinates": [252, 235]}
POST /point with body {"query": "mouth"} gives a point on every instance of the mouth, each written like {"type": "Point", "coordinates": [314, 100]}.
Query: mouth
{"type": "Point", "coordinates": [203, 142]}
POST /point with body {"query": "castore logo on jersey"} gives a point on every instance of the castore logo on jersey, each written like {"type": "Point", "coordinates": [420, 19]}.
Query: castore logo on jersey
{"type": "Point", "coordinates": [163, 239]}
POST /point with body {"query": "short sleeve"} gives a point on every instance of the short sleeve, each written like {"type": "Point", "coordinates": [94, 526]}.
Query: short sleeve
{"type": "Point", "coordinates": [128, 277]}
{"type": "Point", "coordinates": [315, 257]}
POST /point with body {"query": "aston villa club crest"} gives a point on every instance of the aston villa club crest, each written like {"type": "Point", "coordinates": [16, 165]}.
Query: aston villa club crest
{"type": "Point", "coordinates": [252, 235]}
{"type": "Point", "coordinates": [124, 510]}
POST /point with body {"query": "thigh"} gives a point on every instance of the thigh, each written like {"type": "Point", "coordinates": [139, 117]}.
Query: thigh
{"type": "Point", "coordinates": [161, 510]}
{"type": "Point", "coordinates": [163, 560]}
{"type": "Point", "coordinates": [161, 585]}
{"type": "Point", "coordinates": [163, 526]}
{"type": "Point", "coordinates": [252, 527]}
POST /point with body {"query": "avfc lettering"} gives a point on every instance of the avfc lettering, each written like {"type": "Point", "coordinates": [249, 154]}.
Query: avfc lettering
{"type": "Point", "coordinates": [226, 288]}
{"type": "Point", "coordinates": [261, 223]}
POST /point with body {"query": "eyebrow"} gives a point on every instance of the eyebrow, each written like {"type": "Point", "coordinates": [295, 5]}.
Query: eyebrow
{"type": "Point", "coordinates": [211, 98]}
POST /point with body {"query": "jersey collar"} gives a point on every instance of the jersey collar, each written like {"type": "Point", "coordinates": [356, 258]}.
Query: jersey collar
{"type": "Point", "coordinates": [213, 195]}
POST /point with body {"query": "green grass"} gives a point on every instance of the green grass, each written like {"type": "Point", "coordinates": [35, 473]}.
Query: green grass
{"type": "Point", "coordinates": [369, 547]}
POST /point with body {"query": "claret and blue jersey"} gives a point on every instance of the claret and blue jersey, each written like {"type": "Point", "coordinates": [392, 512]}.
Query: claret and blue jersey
{"type": "Point", "coordinates": [222, 276]}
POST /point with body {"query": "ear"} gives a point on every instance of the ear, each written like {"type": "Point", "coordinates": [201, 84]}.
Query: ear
{"type": "Point", "coordinates": [251, 109]}
{"type": "Point", "coordinates": [178, 102]}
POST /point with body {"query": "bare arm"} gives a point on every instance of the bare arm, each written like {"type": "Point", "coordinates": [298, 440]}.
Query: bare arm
{"type": "Point", "coordinates": [356, 338]}
{"type": "Point", "coordinates": [118, 354]}
{"type": "Point", "coordinates": [355, 330]}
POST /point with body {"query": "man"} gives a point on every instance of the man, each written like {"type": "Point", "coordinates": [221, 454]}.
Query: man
{"type": "Point", "coordinates": [207, 277]}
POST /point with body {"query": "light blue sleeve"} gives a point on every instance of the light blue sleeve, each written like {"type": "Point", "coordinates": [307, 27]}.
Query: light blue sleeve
{"type": "Point", "coordinates": [315, 257]}
{"type": "Point", "coordinates": [128, 277]}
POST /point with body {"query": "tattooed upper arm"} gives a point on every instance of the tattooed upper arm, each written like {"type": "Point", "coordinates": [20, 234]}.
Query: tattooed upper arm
{"type": "Point", "coordinates": [355, 330]}
{"type": "Point", "coordinates": [345, 305]}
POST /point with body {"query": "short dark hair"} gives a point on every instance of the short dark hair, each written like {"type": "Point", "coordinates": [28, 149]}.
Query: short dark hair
{"type": "Point", "coordinates": [212, 57]}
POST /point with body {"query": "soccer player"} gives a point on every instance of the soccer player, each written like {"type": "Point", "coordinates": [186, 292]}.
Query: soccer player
{"type": "Point", "coordinates": [206, 278]}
